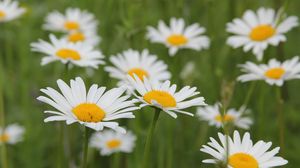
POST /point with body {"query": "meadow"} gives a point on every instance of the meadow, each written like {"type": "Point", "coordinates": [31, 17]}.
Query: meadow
{"type": "Point", "coordinates": [123, 25]}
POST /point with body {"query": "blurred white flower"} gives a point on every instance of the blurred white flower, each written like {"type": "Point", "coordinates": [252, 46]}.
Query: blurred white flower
{"type": "Point", "coordinates": [178, 36]}
{"type": "Point", "coordinates": [258, 30]}
{"type": "Point", "coordinates": [10, 10]}
{"type": "Point", "coordinates": [12, 134]}
{"type": "Point", "coordinates": [274, 72]}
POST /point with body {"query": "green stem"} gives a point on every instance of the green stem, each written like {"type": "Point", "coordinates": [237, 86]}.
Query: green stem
{"type": "Point", "coordinates": [116, 160]}
{"type": "Point", "coordinates": [280, 119]}
{"type": "Point", "coordinates": [226, 132]}
{"type": "Point", "coordinates": [148, 145]}
{"type": "Point", "coordinates": [85, 147]}
{"type": "Point", "coordinates": [249, 94]}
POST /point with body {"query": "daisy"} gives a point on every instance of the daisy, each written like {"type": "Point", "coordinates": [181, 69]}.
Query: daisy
{"type": "Point", "coordinates": [214, 116]}
{"type": "Point", "coordinates": [12, 134]}
{"type": "Point", "coordinates": [10, 10]}
{"type": "Point", "coordinates": [178, 36]}
{"type": "Point", "coordinates": [80, 54]}
{"type": "Point", "coordinates": [94, 109]}
{"type": "Point", "coordinates": [274, 72]}
{"type": "Point", "coordinates": [164, 96]}
{"type": "Point", "coordinates": [258, 30]}
{"type": "Point", "coordinates": [142, 64]}
{"type": "Point", "coordinates": [242, 152]}
{"type": "Point", "coordinates": [109, 142]}
{"type": "Point", "coordinates": [89, 37]}
{"type": "Point", "coordinates": [74, 19]}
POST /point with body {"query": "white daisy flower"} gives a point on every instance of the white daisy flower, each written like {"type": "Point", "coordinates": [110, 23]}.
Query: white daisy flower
{"type": "Point", "coordinates": [164, 96]}
{"type": "Point", "coordinates": [141, 64]}
{"type": "Point", "coordinates": [178, 36]}
{"type": "Point", "coordinates": [89, 37]}
{"type": "Point", "coordinates": [214, 116]}
{"type": "Point", "coordinates": [10, 10]}
{"type": "Point", "coordinates": [74, 19]}
{"type": "Point", "coordinates": [109, 142]}
{"type": "Point", "coordinates": [94, 109]}
{"type": "Point", "coordinates": [258, 30]}
{"type": "Point", "coordinates": [12, 134]}
{"type": "Point", "coordinates": [274, 72]}
{"type": "Point", "coordinates": [242, 152]}
{"type": "Point", "coordinates": [80, 54]}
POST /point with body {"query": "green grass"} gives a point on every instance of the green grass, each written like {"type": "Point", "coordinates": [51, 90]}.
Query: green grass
{"type": "Point", "coordinates": [122, 26]}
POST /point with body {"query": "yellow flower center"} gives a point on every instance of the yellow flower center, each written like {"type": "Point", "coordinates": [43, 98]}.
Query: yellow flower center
{"type": "Point", "coordinates": [242, 160]}
{"type": "Point", "coordinates": [70, 25]}
{"type": "Point", "coordinates": [138, 72]}
{"type": "Point", "coordinates": [161, 97]}
{"type": "Point", "coordinates": [275, 73]}
{"type": "Point", "coordinates": [225, 118]}
{"type": "Point", "coordinates": [262, 32]}
{"type": "Point", "coordinates": [114, 143]}
{"type": "Point", "coordinates": [177, 40]}
{"type": "Point", "coordinates": [76, 37]}
{"type": "Point", "coordinates": [4, 137]}
{"type": "Point", "coordinates": [87, 112]}
{"type": "Point", "coordinates": [2, 14]}
{"type": "Point", "coordinates": [68, 54]}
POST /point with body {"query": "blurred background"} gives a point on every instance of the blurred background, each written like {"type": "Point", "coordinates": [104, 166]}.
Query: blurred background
{"type": "Point", "coordinates": [123, 26]}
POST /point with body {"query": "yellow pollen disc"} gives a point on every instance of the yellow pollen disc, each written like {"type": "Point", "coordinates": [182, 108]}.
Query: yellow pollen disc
{"type": "Point", "coordinates": [138, 72]}
{"type": "Point", "coordinates": [242, 160]}
{"type": "Point", "coordinates": [2, 14]}
{"type": "Point", "coordinates": [177, 40]}
{"type": "Point", "coordinates": [70, 25]}
{"type": "Point", "coordinates": [161, 97]}
{"type": "Point", "coordinates": [275, 73]}
{"type": "Point", "coordinates": [262, 32]}
{"type": "Point", "coordinates": [225, 118]}
{"type": "Point", "coordinates": [76, 37]}
{"type": "Point", "coordinates": [4, 138]}
{"type": "Point", "coordinates": [68, 54]}
{"type": "Point", "coordinates": [114, 143]}
{"type": "Point", "coordinates": [87, 112]}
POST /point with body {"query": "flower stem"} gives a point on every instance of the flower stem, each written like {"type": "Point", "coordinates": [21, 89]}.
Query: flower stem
{"type": "Point", "coordinates": [249, 94]}
{"type": "Point", "coordinates": [148, 145]}
{"type": "Point", "coordinates": [85, 147]}
{"type": "Point", "coordinates": [280, 119]}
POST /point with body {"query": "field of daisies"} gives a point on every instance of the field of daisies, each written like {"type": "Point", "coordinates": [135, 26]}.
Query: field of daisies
{"type": "Point", "coordinates": [149, 84]}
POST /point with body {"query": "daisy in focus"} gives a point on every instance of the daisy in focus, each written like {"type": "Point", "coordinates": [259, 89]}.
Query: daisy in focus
{"type": "Point", "coordinates": [214, 116]}
{"type": "Point", "coordinates": [12, 134]}
{"type": "Point", "coordinates": [164, 96]}
{"type": "Point", "coordinates": [242, 152]}
{"type": "Point", "coordinates": [142, 64]}
{"type": "Point", "coordinates": [10, 10]}
{"type": "Point", "coordinates": [95, 108]}
{"type": "Point", "coordinates": [255, 31]}
{"type": "Point", "coordinates": [177, 36]}
{"type": "Point", "coordinates": [73, 19]}
{"type": "Point", "coordinates": [274, 73]}
{"type": "Point", "coordinates": [109, 142]}
{"type": "Point", "coordinates": [80, 54]}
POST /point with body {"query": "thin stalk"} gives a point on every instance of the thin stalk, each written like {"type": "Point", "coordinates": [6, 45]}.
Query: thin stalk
{"type": "Point", "coordinates": [116, 160]}
{"type": "Point", "coordinates": [4, 159]}
{"type": "Point", "coordinates": [280, 119]}
{"type": "Point", "coordinates": [226, 132]}
{"type": "Point", "coordinates": [149, 140]}
{"type": "Point", "coordinates": [85, 147]}
{"type": "Point", "coordinates": [249, 94]}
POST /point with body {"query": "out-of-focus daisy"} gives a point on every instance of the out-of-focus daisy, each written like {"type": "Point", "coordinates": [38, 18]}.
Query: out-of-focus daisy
{"type": "Point", "coordinates": [178, 36]}
{"type": "Point", "coordinates": [214, 116]}
{"type": "Point", "coordinates": [109, 142]}
{"type": "Point", "coordinates": [10, 10]}
{"type": "Point", "coordinates": [142, 64]}
{"type": "Point", "coordinates": [258, 30]}
{"type": "Point", "coordinates": [242, 152]}
{"type": "Point", "coordinates": [164, 96]}
{"type": "Point", "coordinates": [95, 109]}
{"type": "Point", "coordinates": [74, 19]}
{"type": "Point", "coordinates": [12, 134]}
{"type": "Point", "coordinates": [80, 54]}
{"type": "Point", "coordinates": [274, 72]}
{"type": "Point", "coordinates": [89, 37]}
